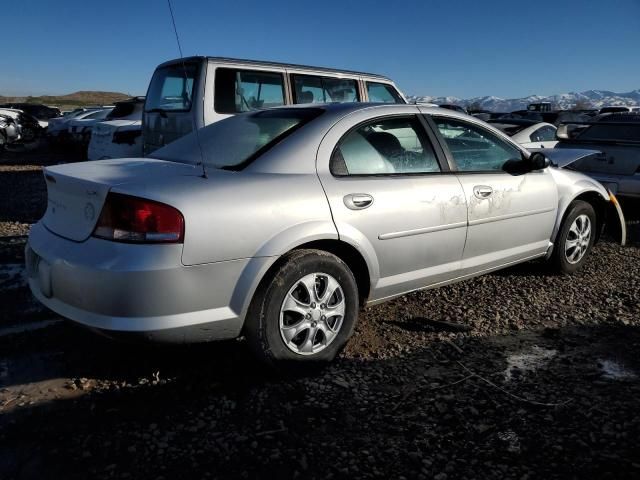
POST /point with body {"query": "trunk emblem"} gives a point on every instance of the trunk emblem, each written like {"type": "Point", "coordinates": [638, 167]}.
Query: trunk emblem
{"type": "Point", "coordinates": [89, 212]}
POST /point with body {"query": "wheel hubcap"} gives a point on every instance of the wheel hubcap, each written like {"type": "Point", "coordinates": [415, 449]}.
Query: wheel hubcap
{"type": "Point", "coordinates": [312, 313]}
{"type": "Point", "coordinates": [578, 239]}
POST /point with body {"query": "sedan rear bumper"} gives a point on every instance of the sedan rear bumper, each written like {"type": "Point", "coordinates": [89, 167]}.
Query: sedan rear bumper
{"type": "Point", "coordinates": [142, 290]}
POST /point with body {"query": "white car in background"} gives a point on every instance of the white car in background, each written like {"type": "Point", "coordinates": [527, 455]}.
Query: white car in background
{"type": "Point", "coordinates": [121, 134]}
{"type": "Point", "coordinates": [528, 133]}
{"type": "Point", "coordinates": [79, 129]}
{"type": "Point", "coordinates": [57, 130]}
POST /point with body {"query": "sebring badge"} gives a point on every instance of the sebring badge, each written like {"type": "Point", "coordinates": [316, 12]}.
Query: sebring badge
{"type": "Point", "coordinates": [89, 212]}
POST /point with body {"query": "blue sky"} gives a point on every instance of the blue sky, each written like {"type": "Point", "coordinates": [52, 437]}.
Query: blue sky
{"type": "Point", "coordinates": [462, 48]}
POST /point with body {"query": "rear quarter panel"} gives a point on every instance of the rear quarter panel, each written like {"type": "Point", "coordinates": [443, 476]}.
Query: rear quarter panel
{"type": "Point", "coordinates": [233, 215]}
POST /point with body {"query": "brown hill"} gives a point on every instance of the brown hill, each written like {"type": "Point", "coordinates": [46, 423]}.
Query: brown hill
{"type": "Point", "coordinates": [76, 99]}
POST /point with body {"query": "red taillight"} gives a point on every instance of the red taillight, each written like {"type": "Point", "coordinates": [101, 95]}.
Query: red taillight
{"type": "Point", "coordinates": [131, 219]}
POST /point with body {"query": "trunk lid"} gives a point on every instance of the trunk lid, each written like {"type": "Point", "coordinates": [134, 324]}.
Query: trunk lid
{"type": "Point", "coordinates": [76, 192]}
{"type": "Point", "coordinates": [614, 159]}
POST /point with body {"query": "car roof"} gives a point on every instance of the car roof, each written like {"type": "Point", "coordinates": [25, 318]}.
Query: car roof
{"type": "Point", "coordinates": [262, 63]}
{"type": "Point", "coordinates": [336, 111]}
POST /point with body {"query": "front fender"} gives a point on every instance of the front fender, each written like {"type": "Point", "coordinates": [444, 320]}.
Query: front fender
{"type": "Point", "coordinates": [571, 185]}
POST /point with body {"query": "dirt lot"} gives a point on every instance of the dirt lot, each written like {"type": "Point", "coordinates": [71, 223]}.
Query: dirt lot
{"type": "Point", "coordinates": [544, 384]}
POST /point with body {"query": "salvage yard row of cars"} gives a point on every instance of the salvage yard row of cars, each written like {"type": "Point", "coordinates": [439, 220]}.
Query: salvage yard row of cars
{"type": "Point", "coordinates": [274, 200]}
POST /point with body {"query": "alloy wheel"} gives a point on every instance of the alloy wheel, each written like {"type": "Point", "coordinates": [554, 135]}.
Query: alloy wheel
{"type": "Point", "coordinates": [578, 239]}
{"type": "Point", "coordinates": [312, 313]}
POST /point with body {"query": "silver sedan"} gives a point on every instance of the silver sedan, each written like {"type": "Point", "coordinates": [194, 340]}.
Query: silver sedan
{"type": "Point", "coordinates": [280, 224]}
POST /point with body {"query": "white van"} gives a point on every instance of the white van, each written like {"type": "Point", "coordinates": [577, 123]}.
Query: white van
{"type": "Point", "coordinates": [196, 91]}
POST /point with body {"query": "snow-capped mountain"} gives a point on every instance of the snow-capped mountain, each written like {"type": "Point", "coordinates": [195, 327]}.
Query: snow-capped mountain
{"type": "Point", "coordinates": [588, 99]}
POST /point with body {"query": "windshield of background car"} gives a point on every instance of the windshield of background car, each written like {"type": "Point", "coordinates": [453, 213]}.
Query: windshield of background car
{"type": "Point", "coordinates": [99, 114]}
{"type": "Point", "coordinates": [509, 129]}
{"type": "Point", "coordinates": [172, 87]}
{"type": "Point", "coordinates": [122, 109]}
{"type": "Point", "coordinates": [628, 132]}
{"type": "Point", "coordinates": [236, 141]}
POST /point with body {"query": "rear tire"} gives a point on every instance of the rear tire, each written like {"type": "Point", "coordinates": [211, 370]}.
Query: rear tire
{"type": "Point", "coordinates": [304, 314]}
{"type": "Point", "coordinates": [575, 238]}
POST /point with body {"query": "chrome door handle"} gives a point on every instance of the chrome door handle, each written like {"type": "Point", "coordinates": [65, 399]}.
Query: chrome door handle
{"type": "Point", "coordinates": [482, 191]}
{"type": "Point", "coordinates": [358, 201]}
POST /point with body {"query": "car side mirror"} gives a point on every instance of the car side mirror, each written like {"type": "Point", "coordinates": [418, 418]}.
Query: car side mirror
{"type": "Point", "coordinates": [538, 161]}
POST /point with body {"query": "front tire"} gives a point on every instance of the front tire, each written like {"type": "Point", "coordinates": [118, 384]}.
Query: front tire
{"type": "Point", "coordinates": [306, 312]}
{"type": "Point", "coordinates": [575, 238]}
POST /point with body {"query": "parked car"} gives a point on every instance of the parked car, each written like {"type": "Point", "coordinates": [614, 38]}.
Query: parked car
{"type": "Point", "coordinates": [197, 91]}
{"type": "Point", "coordinates": [42, 113]}
{"type": "Point", "coordinates": [79, 129]}
{"type": "Point", "coordinates": [618, 165]}
{"type": "Point", "coordinates": [58, 128]}
{"type": "Point", "coordinates": [281, 223]}
{"type": "Point", "coordinates": [619, 109]}
{"type": "Point", "coordinates": [28, 126]}
{"type": "Point", "coordinates": [9, 129]}
{"type": "Point", "coordinates": [120, 135]}
{"type": "Point", "coordinates": [539, 107]}
{"type": "Point", "coordinates": [528, 133]}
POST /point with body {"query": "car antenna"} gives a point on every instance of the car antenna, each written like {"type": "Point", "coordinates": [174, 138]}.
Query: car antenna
{"type": "Point", "coordinates": [186, 79]}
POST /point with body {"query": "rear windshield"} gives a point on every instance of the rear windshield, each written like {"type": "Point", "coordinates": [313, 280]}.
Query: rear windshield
{"type": "Point", "coordinates": [123, 109]}
{"type": "Point", "coordinates": [236, 141]}
{"type": "Point", "coordinates": [172, 87]}
{"type": "Point", "coordinates": [99, 114]}
{"type": "Point", "coordinates": [624, 133]}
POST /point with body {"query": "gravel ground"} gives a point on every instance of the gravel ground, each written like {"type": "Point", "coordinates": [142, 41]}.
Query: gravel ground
{"type": "Point", "coordinates": [541, 382]}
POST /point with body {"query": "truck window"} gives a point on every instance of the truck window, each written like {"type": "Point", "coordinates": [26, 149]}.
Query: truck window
{"type": "Point", "coordinates": [382, 93]}
{"type": "Point", "coordinates": [171, 87]}
{"type": "Point", "coordinates": [313, 89]}
{"type": "Point", "coordinates": [247, 90]}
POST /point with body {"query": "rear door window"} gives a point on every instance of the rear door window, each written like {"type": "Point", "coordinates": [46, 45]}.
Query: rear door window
{"type": "Point", "coordinates": [313, 89]}
{"type": "Point", "coordinates": [382, 93]}
{"type": "Point", "coordinates": [385, 146]}
{"type": "Point", "coordinates": [247, 90]}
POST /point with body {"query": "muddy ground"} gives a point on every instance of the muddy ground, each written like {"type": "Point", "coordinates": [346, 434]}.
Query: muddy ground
{"type": "Point", "coordinates": [544, 384]}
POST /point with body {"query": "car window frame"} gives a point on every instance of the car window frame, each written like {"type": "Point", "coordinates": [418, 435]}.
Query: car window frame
{"type": "Point", "coordinates": [428, 135]}
{"type": "Point", "coordinates": [429, 118]}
